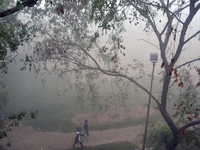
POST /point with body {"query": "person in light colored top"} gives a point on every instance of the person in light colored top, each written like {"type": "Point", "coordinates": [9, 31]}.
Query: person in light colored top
{"type": "Point", "coordinates": [78, 137]}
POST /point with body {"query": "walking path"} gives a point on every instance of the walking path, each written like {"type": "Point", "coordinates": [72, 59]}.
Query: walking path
{"type": "Point", "coordinates": [27, 138]}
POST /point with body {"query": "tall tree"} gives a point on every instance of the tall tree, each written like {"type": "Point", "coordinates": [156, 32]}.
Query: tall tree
{"type": "Point", "coordinates": [73, 49]}
{"type": "Point", "coordinates": [175, 30]}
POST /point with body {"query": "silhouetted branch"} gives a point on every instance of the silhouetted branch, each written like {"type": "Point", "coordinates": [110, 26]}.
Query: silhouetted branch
{"type": "Point", "coordinates": [192, 123]}
{"type": "Point", "coordinates": [187, 63]}
{"type": "Point", "coordinates": [29, 3]}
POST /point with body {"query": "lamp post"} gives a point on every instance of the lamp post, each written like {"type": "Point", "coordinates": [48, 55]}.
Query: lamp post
{"type": "Point", "coordinates": [153, 59]}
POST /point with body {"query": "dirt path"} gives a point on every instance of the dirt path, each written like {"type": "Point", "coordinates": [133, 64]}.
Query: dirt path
{"type": "Point", "coordinates": [27, 138]}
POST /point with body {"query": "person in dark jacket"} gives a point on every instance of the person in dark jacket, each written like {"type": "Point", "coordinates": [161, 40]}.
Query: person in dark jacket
{"type": "Point", "coordinates": [78, 137]}
{"type": "Point", "coordinates": [86, 127]}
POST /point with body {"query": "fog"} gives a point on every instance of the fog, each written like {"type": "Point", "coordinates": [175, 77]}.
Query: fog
{"type": "Point", "coordinates": [28, 86]}
{"type": "Point", "coordinates": [56, 102]}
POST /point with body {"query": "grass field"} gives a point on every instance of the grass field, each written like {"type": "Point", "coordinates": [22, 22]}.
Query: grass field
{"type": "Point", "coordinates": [57, 108]}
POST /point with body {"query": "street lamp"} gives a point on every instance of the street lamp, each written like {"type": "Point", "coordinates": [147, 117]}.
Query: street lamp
{"type": "Point", "coordinates": [153, 59]}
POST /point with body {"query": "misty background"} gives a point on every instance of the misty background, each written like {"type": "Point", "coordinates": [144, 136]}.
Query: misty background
{"type": "Point", "coordinates": [56, 101]}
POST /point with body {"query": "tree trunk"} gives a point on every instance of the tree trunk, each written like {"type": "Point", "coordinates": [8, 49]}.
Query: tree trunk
{"type": "Point", "coordinates": [165, 114]}
{"type": "Point", "coordinates": [173, 128]}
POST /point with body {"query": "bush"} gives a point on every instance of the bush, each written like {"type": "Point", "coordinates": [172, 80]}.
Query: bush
{"type": "Point", "coordinates": [161, 136]}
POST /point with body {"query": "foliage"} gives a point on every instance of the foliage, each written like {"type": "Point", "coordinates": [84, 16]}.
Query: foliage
{"type": "Point", "coordinates": [187, 100]}
{"type": "Point", "coordinates": [13, 121]}
{"type": "Point", "coordinates": [13, 33]}
{"type": "Point", "coordinates": [19, 5]}
{"type": "Point", "coordinates": [161, 136]}
{"type": "Point", "coordinates": [107, 12]}
{"type": "Point", "coordinates": [3, 95]}
{"type": "Point", "coordinates": [189, 140]}
{"type": "Point", "coordinates": [67, 43]}
{"type": "Point", "coordinates": [70, 49]}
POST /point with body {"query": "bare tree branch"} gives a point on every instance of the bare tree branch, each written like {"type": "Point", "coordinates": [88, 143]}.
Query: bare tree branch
{"type": "Point", "coordinates": [192, 123]}
{"type": "Point", "coordinates": [120, 75]}
{"type": "Point", "coordinates": [191, 37]}
{"type": "Point", "coordinates": [150, 43]}
{"type": "Point", "coordinates": [183, 32]}
{"type": "Point", "coordinates": [187, 63]}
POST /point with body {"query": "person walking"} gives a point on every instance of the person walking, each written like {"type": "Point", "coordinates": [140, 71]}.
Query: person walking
{"type": "Point", "coordinates": [86, 128]}
{"type": "Point", "coordinates": [78, 137]}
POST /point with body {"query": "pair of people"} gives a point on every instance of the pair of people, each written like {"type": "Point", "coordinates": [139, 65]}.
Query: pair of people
{"type": "Point", "coordinates": [78, 134]}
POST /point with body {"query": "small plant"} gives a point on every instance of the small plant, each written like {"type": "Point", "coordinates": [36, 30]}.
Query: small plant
{"type": "Point", "coordinates": [159, 137]}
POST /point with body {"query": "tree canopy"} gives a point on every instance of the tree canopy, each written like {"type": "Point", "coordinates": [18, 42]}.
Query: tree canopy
{"type": "Point", "coordinates": [13, 31]}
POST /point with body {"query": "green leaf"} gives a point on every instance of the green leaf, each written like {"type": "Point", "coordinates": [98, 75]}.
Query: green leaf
{"type": "Point", "coordinates": [20, 5]}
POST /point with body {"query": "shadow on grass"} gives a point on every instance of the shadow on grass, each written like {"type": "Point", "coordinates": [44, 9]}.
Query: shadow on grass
{"type": "Point", "coordinates": [111, 146]}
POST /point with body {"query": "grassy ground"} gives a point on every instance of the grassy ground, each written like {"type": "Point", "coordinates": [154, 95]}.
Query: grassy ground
{"type": "Point", "coordinates": [55, 112]}
{"type": "Point", "coordinates": [128, 121]}
{"type": "Point", "coordinates": [56, 115]}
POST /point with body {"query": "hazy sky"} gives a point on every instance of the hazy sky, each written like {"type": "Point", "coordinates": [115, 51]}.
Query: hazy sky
{"type": "Point", "coordinates": [141, 50]}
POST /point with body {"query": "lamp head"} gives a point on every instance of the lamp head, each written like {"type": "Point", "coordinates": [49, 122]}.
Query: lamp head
{"type": "Point", "coordinates": [154, 57]}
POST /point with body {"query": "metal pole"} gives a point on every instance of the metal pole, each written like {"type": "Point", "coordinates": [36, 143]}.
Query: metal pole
{"type": "Point", "coordinates": [148, 108]}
